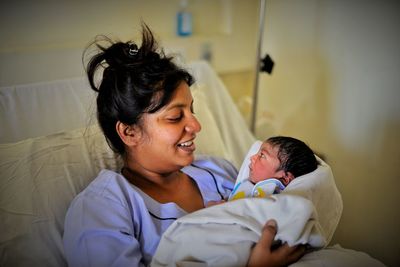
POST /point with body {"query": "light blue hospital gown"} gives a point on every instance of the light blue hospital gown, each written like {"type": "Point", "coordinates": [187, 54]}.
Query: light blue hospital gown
{"type": "Point", "coordinates": [114, 223]}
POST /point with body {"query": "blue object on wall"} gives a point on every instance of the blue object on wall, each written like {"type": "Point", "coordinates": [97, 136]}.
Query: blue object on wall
{"type": "Point", "coordinates": [184, 20]}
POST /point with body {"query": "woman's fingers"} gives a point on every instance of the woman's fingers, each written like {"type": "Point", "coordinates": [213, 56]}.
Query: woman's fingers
{"type": "Point", "coordinates": [290, 254]}
{"type": "Point", "coordinates": [262, 255]}
{"type": "Point", "coordinates": [268, 234]}
{"type": "Point", "coordinates": [296, 253]}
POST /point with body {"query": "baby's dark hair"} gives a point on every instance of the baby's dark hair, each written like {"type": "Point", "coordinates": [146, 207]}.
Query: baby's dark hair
{"type": "Point", "coordinates": [294, 155]}
{"type": "Point", "coordinates": [136, 80]}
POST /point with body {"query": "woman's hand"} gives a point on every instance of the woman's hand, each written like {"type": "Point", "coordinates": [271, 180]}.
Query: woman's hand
{"type": "Point", "coordinates": [263, 256]}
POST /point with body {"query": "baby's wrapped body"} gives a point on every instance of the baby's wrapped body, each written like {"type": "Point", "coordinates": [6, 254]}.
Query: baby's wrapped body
{"type": "Point", "coordinates": [307, 211]}
{"type": "Point", "coordinates": [223, 235]}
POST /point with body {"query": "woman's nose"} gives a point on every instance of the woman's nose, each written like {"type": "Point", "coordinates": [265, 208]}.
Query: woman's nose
{"type": "Point", "coordinates": [193, 125]}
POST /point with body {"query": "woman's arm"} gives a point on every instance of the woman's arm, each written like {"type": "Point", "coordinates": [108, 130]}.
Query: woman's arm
{"type": "Point", "coordinates": [99, 232]}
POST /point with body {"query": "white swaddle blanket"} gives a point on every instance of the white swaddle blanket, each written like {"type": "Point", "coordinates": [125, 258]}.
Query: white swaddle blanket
{"type": "Point", "coordinates": [307, 212]}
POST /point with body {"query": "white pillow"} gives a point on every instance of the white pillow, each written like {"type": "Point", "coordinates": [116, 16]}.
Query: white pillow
{"type": "Point", "coordinates": [39, 178]}
{"type": "Point", "coordinates": [209, 140]}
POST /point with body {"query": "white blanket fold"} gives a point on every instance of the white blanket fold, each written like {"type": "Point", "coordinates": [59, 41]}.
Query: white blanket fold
{"type": "Point", "coordinates": [223, 235]}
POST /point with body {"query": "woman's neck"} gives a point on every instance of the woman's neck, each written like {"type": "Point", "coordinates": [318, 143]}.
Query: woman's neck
{"type": "Point", "coordinates": [145, 180]}
{"type": "Point", "coordinates": [174, 187]}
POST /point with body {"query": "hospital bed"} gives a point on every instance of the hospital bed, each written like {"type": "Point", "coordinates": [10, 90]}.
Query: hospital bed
{"type": "Point", "coordinates": [51, 148]}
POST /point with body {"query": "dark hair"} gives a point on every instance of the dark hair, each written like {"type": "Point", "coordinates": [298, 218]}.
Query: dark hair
{"type": "Point", "coordinates": [135, 81]}
{"type": "Point", "coordinates": [295, 156]}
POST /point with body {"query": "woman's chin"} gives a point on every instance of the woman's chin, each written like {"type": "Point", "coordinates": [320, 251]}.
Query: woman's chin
{"type": "Point", "coordinates": [187, 160]}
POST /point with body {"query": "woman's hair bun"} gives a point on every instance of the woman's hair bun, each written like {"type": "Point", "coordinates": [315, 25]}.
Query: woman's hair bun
{"type": "Point", "coordinates": [119, 55]}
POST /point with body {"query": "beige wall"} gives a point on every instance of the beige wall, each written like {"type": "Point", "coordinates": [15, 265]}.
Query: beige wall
{"type": "Point", "coordinates": [336, 84]}
{"type": "Point", "coordinates": [44, 39]}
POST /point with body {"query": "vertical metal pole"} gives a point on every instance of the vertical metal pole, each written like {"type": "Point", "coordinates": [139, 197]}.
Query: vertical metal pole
{"type": "Point", "coordinates": [258, 62]}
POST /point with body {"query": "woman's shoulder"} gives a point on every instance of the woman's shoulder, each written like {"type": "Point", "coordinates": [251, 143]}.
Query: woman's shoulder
{"type": "Point", "coordinates": [106, 180]}
{"type": "Point", "coordinates": [222, 170]}
{"type": "Point", "coordinates": [213, 163]}
{"type": "Point", "coordinates": [110, 186]}
{"type": "Point", "coordinates": [215, 176]}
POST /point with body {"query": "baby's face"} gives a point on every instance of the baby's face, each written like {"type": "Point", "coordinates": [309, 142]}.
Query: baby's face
{"type": "Point", "coordinates": [265, 163]}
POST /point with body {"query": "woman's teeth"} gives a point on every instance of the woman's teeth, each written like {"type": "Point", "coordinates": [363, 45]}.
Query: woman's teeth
{"type": "Point", "coordinates": [186, 144]}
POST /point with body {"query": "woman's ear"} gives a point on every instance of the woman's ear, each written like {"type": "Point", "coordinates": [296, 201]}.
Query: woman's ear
{"type": "Point", "coordinates": [129, 134]}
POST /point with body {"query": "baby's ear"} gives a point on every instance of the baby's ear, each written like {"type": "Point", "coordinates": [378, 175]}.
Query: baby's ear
{"type": "Point", "coordinates": [287, 178]}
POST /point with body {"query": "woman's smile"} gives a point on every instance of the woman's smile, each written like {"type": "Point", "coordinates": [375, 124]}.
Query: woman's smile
{"type": "Point", "coordinates": [188, 146]}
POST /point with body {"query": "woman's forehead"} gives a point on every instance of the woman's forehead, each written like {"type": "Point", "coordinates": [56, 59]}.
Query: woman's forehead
{"type": "Point", "coordinates": [182, 97]}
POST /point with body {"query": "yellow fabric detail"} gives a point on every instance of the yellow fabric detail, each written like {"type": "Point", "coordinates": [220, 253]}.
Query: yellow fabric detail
{"type": "Point", "coordinates": [239, 195]}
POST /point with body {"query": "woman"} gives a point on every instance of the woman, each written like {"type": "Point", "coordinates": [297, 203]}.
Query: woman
{"type": "Point", "coordinates": [145, 110]}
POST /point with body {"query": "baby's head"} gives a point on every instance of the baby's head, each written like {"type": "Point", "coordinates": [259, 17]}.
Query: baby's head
{"type": "Point", "coordinates": [282, 158]}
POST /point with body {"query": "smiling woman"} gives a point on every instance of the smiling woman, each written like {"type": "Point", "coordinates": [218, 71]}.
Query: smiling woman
{"type": "Point", "coordinates": [171, 131]}
{"type": "Point", "coordinates": [165, 144]}
{"type": "Point", "coordinates": [145, 109]}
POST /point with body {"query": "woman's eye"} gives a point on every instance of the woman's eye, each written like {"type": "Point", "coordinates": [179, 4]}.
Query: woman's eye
{"type": "Point", "coordinates": [175, 119]}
